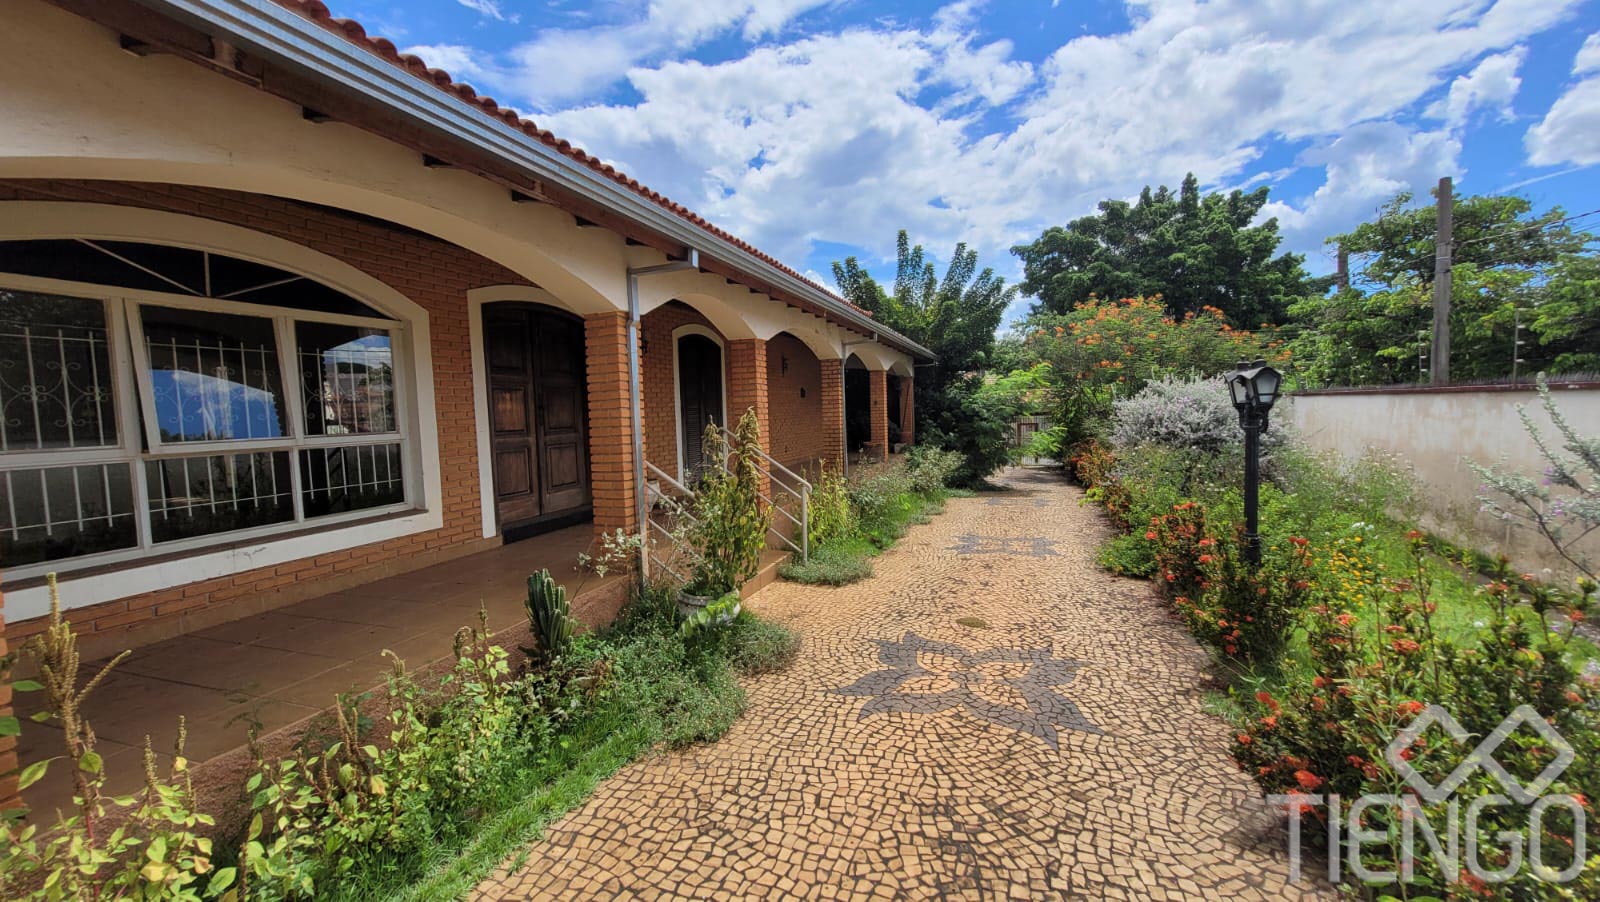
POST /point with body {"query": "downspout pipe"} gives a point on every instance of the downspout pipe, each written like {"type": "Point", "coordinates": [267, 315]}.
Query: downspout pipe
{"type": "Point", "coordinates": [641, 496]}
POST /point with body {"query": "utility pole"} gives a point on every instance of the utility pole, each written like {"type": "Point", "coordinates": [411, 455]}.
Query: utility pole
{"type": "Point", "coordinates": [1439, 360]}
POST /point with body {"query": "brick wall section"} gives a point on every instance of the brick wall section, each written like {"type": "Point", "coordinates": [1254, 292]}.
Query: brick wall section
{"type": "Point", "coordinates": [908, 410]}
{"type": "Point", "coordinates": [433, 274]}
{"type": "Point", "coordinates": [794, 401]}
{"type": "Point", "coordinates": [9, 798]}
{"type": "Point", "coordinates": [747, 390]}
{"type": "Point", "coordinates": [878, 381]}
{"type": "Point", "coordinates": [660, 400]}
{"type": "Point", "coordinates": [832, 417]}
{"type": "Point", "coordinates": [610, 422]}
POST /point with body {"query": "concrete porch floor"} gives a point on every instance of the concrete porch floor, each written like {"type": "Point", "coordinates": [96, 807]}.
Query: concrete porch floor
{"type": "Point", "coordinates": [280, 667]}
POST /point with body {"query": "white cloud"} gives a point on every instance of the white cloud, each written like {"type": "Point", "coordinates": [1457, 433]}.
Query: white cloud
{"type": "Point", "coordinates": [1492, 85]}
{"type": "Point", "coordinates": [1365, 166]}
{"type": "Point", "coordinates": [489, 9]}
{"type": "Point", "coordinates": [848, 136]}
{"type": "Point", "coordinates": [1570, 130]}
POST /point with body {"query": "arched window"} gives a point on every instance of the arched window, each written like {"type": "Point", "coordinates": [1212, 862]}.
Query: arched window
{"type": "Point", "coordinates": [156, 398]}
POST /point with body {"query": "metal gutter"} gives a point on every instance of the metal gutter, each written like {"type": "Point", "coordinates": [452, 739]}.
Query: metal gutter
{"type": "Point", "coordinates": [287, 38]}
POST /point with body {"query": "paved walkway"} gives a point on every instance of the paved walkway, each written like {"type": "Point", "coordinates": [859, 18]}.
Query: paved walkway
{"type": "Point", "coordinates": [989, 716]}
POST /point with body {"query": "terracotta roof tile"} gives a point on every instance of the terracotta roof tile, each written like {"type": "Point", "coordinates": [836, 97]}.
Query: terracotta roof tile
{"type": "Point", "coordinates": [353, 31]}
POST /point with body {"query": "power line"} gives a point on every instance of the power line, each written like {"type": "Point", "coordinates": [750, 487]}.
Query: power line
{"type": "Point", "coordinates": [1538, 227]}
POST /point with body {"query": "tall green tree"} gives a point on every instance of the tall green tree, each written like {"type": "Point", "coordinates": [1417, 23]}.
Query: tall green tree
{"type": "Point", "coordinates": [954, 317]}
{"type": "Point", "coordinates": [1508, 266]}
{"type": "Point", "coordinates": [1193, 250]}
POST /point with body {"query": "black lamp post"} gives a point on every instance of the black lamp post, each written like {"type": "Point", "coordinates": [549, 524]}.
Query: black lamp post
{"type": "Point", "coordinates": [1254, 387]}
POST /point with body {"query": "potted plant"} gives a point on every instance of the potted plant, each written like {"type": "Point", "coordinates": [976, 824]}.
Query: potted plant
{"type": "Point", "coordinates": [728, 527]}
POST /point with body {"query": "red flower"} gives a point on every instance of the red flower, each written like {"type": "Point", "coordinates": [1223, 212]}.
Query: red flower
{"type": "Point", "coordinates": [1321, 682]}
{"type": "Point", "coordinates": [1244, 738]}
{"type": "Point", "coordinates": [1269, 722]}
{"type": "Point", "coordinates": [1205, 558]}
{"type": "Point", "coordinates": [1207, 542]}
{"type": "Point", "coordinates": [1299, 541]}
{"type": "Point", "coordinates": [1405, 646]}
{"type": "Point", "coordinates": [1308, 780]}
{"type": "Point", "coordinates": [1412, 708]}
{"type": "Point", "coordinates": [1151, 535]}
{"type": "Point", "coordinates": [1345, 619]}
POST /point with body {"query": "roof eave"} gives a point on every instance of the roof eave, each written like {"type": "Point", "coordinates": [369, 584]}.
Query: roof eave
{"type": "Point", "coordinates": [287, 38]}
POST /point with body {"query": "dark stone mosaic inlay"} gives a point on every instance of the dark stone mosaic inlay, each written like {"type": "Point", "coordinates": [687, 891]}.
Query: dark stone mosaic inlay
{"type": "Point", "coordinates": [1026, 546]}
{"type": "Point", "coordinates": [1008, 687]}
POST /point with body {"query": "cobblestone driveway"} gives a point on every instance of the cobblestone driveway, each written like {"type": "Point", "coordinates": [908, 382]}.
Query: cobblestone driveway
{"type": "Point", "coordinates": [989, 716]}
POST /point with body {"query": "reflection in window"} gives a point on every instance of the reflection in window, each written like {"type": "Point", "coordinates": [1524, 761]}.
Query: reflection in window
{"type": "Point", "coordinates": [214, 376]}
{"type": "Point", "coordinates": [55, 373]}
{"type": "Point", "coordinates": [61, 512]}
{"type": "Point", "coordinates": [198, 496]}
{"type": "Point", "coordinates": [335, 480]}
{"type": "Point", "coordinates": [347, 375]}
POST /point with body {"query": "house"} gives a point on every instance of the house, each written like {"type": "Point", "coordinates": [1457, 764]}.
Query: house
{"type": "Point", "coordinates": [283, 312]}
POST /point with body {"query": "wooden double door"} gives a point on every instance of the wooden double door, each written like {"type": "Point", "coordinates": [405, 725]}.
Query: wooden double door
{"type": "Point", "coordinates": [538, 415]}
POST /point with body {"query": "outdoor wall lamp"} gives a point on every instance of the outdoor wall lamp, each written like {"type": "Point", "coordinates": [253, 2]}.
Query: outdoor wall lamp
{"type": "Point", "coordinates": [1254, 387]}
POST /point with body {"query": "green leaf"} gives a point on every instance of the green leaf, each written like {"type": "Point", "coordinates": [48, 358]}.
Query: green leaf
{"type": "Point", "coordinates": [157, 850]}
{"type": "Point", "coordinates": [31, 774]}
{"type": "Point", "coordinates": [220, 881]}
{"type": "Point", "coordinates": [91, 762]}
{"type": "Point", "coordinates": [10, 726]}
{"type": "Point", "coordinates": [41, 716]}
{"type": "Point", "coordinates": [27, 686]}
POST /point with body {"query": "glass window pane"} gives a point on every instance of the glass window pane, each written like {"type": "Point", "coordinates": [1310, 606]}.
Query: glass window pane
{"type": "Point", "coordinates": [60, 512]}
{"type": "Point", "coordinates": [335, 480]}
{"type": "Point", "coordinates": [55, 373]}
{"type": "Point", "coordinates": [200, 496]}
{"type": "Point", "coordinates": [214, 376]}
{"type": "Point", "coordinates": [347, 374]}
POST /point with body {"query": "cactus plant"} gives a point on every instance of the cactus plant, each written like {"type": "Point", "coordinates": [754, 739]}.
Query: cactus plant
{"type": "Point", "coordinates": [549, 617]}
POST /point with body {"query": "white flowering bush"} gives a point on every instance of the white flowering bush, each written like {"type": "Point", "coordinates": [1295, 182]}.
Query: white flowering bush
{"type": "Point", "coordinates": [1564, 505]}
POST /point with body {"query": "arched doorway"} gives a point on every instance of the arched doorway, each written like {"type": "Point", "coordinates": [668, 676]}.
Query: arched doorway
{"type": "Point", "coordinates": [537, 398]}
{"type": "Point", "coordinates": [857, 405]}
{"type": "Point", "coordinates": [702, 397]}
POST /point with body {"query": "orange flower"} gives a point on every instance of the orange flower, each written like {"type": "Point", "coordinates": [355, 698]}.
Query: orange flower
{"type": "Point", "coordinates": [1412, 708]}
{"type": "Point", "coordinates": [1308, 780]}
{"type": "Point", "coordinates": [1151, 535]}
{"type": "Point", "coordinates": [1244, 738]}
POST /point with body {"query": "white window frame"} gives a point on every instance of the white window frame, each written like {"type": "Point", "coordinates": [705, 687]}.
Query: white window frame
{"type": "Point", "coordinates": [134, 405]}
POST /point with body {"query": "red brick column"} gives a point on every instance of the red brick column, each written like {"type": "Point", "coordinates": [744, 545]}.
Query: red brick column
{"type": "Point", "coordinates": [879, 382]}
{"type": "Point", "coordinates": [833, 410]}
{"type": "Point", "coordinates": [747, 389]}
{"type": "Point", "coordinates": [908, 410]}
{"type": "Point", "coordinates": [610, 423]}
{"type": "Point", "coordinates": [9, 797]}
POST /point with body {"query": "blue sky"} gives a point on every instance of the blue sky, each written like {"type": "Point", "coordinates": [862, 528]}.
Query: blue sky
{"type": "Point", "coordinates": [817, 128]}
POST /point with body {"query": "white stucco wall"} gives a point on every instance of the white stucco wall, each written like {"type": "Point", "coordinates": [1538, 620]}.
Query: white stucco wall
{"type": "Point", "coordinates": [1438, 432]}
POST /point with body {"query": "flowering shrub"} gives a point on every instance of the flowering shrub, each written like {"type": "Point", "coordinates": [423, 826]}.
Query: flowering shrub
{"type": "Point", "coordinates": [1377, 650]}
{"type": "Point", "coordinates": [1103, 350]}
{"type": "Point", "coordinates": [1375, 669]}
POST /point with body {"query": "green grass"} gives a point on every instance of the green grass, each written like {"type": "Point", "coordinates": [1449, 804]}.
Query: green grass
{"type": "Point", "coordinates": [848, 559]}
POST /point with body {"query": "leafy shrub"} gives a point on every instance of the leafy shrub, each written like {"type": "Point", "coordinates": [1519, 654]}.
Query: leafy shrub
{"type": "Point", "coordinates": [1129, 554]}
{"type": "Point", "coordinates": [154, 850]}
{"type": "Point", "coordinates": [832, 516]}
{"type": "Point", "coordinates": [1195, 414]}
{"type": "Point", "coordinates": [730, 522]}
{"type": "Point", "coordinates": [830, 565]}
{"type": "Point", "coordinates": [931, 469]}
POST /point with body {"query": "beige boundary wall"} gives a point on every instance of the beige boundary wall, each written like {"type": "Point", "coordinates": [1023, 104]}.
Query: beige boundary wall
{"type": "Point", "coordinates": [1437, 431]}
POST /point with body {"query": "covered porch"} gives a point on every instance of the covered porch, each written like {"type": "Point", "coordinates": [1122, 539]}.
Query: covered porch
{"type": "Point", "coordinates": [278, 670]}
